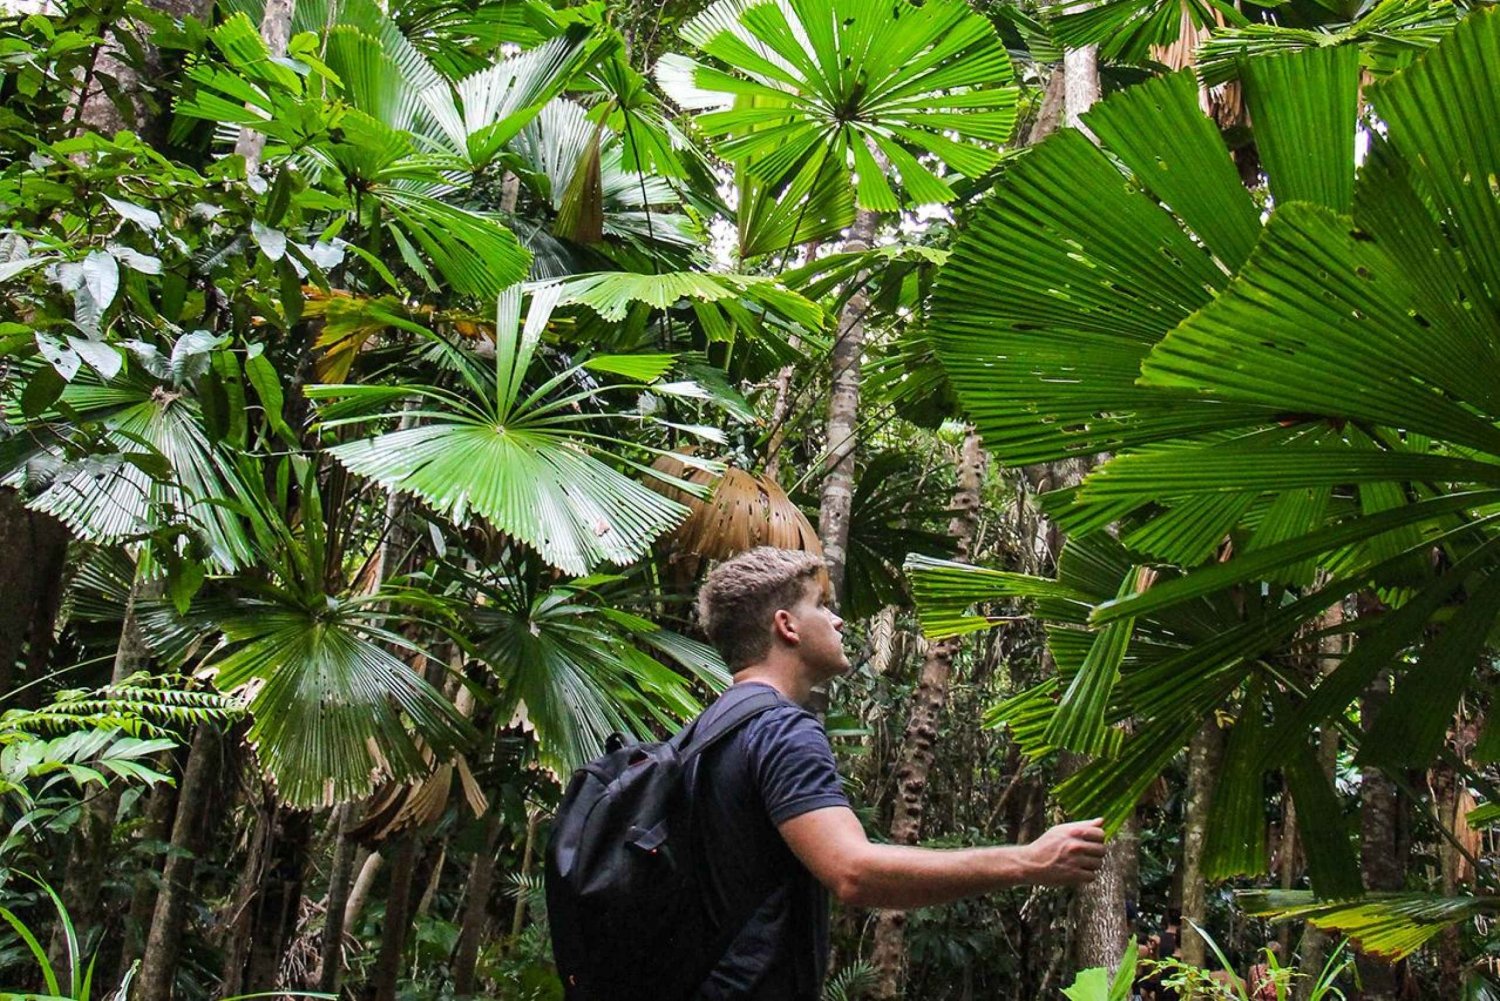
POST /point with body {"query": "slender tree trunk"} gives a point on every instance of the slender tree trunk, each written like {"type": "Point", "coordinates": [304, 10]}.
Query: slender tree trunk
{"type": "Point", "coordinates": [1287, 864]}
{"type": "Point", "coordinates": [1050, 112]}
{"type": "Point", "coordinates": [510, 192]}
{"type": "Point", "coordinates": [917, 747]}
{"type": "Point", "coordinates": [340, 881]}
{"type": "Point", "coordinates": [169, 916]}
{"type": "Point", "coordinates": [1380, 858]}
{"type": "Point", "coordinates": [476, 911]}
{"type": "Point", "coordinates": [1315, 942]}
{"type": "Point", "coordinates": [382, 986]}
{"type": "Point", "coordinates": [276, 29]}
{"type": "Point", "coordinates": [131, 82]}
{"type": "Point", "coordinates": [843, 413]}
{"type": "Point", "coordinates": [269, 895]}
{"type": "Point", "coordinates": [33, 548]}
{"type": "Point", "coordinates": [90, 849]}
{"type": "Point", "coordinates": [363, 884]}
{"type": "Point", "coordinates": [1080, 84]}
{"type": "Point", "coordinates": [157, 827]}
{"type": "Point", "coordinates": [1451, 798]}
{"type": "Point", "coordinates": [1101, 922]}
{"type": "Point", "coordinates": [1204, 754]}
{"type": "Point", "coordinates": [528, 855]}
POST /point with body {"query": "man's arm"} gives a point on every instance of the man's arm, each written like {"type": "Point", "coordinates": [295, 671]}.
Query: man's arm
{"type": "Point", "coordinates": [833, 846]}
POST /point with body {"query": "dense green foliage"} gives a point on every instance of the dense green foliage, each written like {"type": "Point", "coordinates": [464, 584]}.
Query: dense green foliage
{"type": "Point", "coordinates": [362, 366]}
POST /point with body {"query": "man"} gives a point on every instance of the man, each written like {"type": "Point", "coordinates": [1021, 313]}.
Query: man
{"type": "Point", "coordinates": [775, 823]}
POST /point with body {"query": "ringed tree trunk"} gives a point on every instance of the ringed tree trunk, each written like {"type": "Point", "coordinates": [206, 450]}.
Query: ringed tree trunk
{"type": "Point", "coordinates": [1205, 753]}
{"type": "Point", "coordinates": [917, 746]}
{"type": "Point", "coordinates": [476, 912]}
{"type": "Point", "coordinates": [843, 413]}
{"type": "Point", "coordinates": [398, 909]}
{"type": "Point", "coordinates": [156, 827]}
{"type": "Point", "coordinates": [1102, 930]}
{"type": "Point", "coordinates": [1100, 910]}
{"type": "Point", "coordinates": [266, 902]}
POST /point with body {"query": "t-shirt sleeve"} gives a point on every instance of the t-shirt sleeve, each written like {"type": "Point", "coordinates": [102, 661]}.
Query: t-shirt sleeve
{"type": "Point", "coordinates": [794, 765]}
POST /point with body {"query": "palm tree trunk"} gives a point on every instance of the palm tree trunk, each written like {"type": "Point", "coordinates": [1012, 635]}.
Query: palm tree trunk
{"type": "Point", "coordinates": [169, 916]}
{"type": "Point", "coordinates": [1080, 84]}
{"type": "Point", "coordinates": [276, 30]}
{"type": "Point", "coordinates": [363, 884]}
{"type": "Point", "coordinates": [268, 897]}
{"type": "Point", "coordinates": [157, 826]}
{"type": "Point", "coordinates": [1100, 920]}
{"type": "Point", "coordinates": [1379, 852]}
{"type": "Point", "coordinates": [340, 880]}
{"type": "Point", "coordinates": [476, 911]}
{"type": "Point", "coordinates": [382, 986]}
{"type": "Point", "coordinates": [917, 747]}
{"type": "Point", "coordinates": [843, 413]}
{"type": "Point", "coordinates": [91, 838]}
{"type": "Point", "coordinates": [1330, 648]}
{"type": "Point", "coordinates": [528, 856]}
{"type": "Point", "coordinates": [1204, 754]}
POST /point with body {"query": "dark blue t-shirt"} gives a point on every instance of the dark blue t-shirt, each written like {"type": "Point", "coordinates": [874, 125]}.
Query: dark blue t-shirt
{"type": "Point", "coordinates": [778, 766]}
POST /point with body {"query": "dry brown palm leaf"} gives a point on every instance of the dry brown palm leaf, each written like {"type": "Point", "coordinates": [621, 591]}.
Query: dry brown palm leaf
{"type": "Point", "coordinates": [744, 511]}
{"type": "Point", "coordinates": [397, 807]}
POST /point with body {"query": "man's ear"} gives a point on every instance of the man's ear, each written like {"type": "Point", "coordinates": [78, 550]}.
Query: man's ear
{"type": "Point", "coordinates": [784, 627]}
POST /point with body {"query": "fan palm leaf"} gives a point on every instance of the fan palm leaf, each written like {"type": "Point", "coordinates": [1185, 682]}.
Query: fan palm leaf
{"type": "Point", "coordinates": [521, 458]}
{"type": "Point", "coordinates": [853, 82]}
{"type": "Point", "coordinates": [1315, 388]}
{"type": "Point", "coordinates": [334, 712]}
{"type": "Point", "coordinates": [574, 667]}
{"type": "Point", "coordinates": [163, 472]}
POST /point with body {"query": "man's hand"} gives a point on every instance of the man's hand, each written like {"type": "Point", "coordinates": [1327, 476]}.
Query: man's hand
{"type": "Point", "coordinates": [1068, 854]}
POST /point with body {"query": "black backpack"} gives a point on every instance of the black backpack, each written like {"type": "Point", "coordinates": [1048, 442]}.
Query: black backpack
{"type": "Point", "coordinates": [624, 895]}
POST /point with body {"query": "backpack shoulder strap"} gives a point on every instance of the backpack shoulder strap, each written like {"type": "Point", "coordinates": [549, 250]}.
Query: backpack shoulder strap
{"type": "Point", "coordinates": [694, 740]}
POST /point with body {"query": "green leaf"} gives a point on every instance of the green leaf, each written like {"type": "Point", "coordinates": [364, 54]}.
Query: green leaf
{"type": "Point", "coordinates": [845, 79]}
{"type": "Point", "coordinates": [329, 715]}
{"type": "Point", "coordinates": [1053, 298]}
{"type": "Point", "coordinates": [267, 382]}
{"type": "Point", "coordinates": [1411, 731]}
{"type": "Point", "coordinates": [1332, 863]}
{"type": "Point", "coordinates": [1236, 841]}
{"type": "Point", "coordinates": [1389, 925]}
{"type": "Point", "coordinates": [517, 458]}
{"type": "Point", "coordinates": [944, 592]}
{"type": "Point", "coordinates": [1079, 724]}
{"type": "Point", "coordinates": [42, 389]}
{"type": "Point", "coordinates": [1128, 30]}
{"type": "Point", "coordinates": [1158, 130]}
{"type": "Point", "coordinates": [1304, 107]}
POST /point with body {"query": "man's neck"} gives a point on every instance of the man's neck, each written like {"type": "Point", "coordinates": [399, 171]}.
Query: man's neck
{"type": "Point", "coordinates": [782, 677]}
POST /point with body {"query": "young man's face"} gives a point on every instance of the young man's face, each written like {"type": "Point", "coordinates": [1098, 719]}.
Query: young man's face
{"type": "Point", "coordinates": [821, 632]}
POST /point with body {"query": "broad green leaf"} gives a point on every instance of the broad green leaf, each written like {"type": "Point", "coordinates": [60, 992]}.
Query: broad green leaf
{"type": "Point", "coordinates": [1304, 107]}
{"type": "Point", "coordinates": [1389, 925]}
{"type": "Point", "coordinates": [844, 80]}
